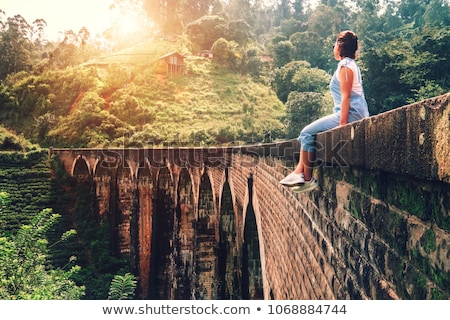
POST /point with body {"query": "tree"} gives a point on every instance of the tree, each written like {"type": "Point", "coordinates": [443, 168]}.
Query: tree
{"type": "Point", "coordinates": [206, 30]}
{"type": "Point", "coordinates": [252, 64]}
{"type": "Point", "coordinates": [299, 76]}
{"type": "Point", "coordinates": [301, 109]}
{"type": "Point", "coordinates": [412, 11]}
{"type": "Point", "coordinates": [290, 26]}
{"type": "Point", "coordinates": [24, 270]}
{"type": "Point", "coordinates": [239, 31]}
{"type": "Point", "coordinates": [329, 21]}
{"type": "Point", "coordinates": [39, 30]}
{"type": "Point", "coordinates": [191, 10]}
{"type": "Point", "coordinates": [172, 15]}
{"type": "Point", "coordinates": [382, 67]}
{"type": "Point", "coordinates": [15, 46]}
{"type": "Point", "coordinates": [406, 68]}
{"type": "Point", "coordinates": [283, 53]}
{"type": "Point", "coordinates": [433, 44]}
{"type": "Point", "coordinates": [311, 47]}
{"type": "Point", "coordinates": [225, 52]}
{"type": "Point", "coordinates": [437, 13]}
{"type": "Point", "coordinates": [156, 10]}
{"type": "Point", "coordinates": [67, 53]}
{"type": "Point", "coordinates": [240, 10]}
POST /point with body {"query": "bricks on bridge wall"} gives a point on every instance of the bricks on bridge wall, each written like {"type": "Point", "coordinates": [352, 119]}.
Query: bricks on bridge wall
{"type": "Point", "coordinates": [391, 199]}
{"type": "Point", "coordinates": [297, 267]}
{"type": "Point", "coordinates": [378, 226]}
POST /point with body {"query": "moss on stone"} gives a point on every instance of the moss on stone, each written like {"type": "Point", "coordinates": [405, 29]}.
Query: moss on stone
{"type": "Point", "coordinates": [408, 197]}
{"type": "Point", "coordinates": [398, 232]}
{"type": "Point", "coordinates": [355, 204]}
{"type": "Point", "coordinates": [439, 204]}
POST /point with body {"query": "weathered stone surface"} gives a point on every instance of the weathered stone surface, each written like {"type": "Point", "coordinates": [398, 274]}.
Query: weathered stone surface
{"type": "Point", "coordinates": [412, 140]}
{"type": "Point", "coordinates": [377, 228]}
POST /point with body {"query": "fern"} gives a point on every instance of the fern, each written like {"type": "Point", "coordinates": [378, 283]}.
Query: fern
{"type": "Point", "coordinates": [122, 287]}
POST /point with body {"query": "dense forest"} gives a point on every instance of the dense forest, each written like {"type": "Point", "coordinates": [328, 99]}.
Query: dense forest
{"type": "Point", "coordinates": [105, 89]}
{"type": "Point", "coordinates": [272, 62]}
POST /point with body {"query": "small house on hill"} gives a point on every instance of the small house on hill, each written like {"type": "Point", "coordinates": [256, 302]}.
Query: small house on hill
{"type": "Point", "coordinates": [171, 63]}
{"type": "Point", "coordinates": [206, 54]}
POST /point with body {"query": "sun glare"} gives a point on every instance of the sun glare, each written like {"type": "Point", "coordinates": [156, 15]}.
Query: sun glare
{"type": "Point", "coordinates": [127, 24]}
{"type": "Point", "coordinates": [126, 21]}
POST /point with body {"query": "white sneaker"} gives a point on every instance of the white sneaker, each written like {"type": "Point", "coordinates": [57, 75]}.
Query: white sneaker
{"type": "Point", "coordinates": [307, 186]}
{"type": "Point", "coordinates": [293, 179]}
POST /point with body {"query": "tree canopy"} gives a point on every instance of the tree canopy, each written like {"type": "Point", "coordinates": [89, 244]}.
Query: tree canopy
{"type": "Point", "coordinates": [24, 270]}
{"type": "Point", "coordinates": [403, 54]}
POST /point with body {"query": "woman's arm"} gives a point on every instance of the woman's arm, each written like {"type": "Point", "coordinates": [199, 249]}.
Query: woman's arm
{"type": "Point", "coordinates": [346, 80]}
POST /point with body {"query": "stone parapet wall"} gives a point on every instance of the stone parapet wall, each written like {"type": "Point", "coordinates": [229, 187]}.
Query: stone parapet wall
{"type": "Point", "coordinates": [413, 140]}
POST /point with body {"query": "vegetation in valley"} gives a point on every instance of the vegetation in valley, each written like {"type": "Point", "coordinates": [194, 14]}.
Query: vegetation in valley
{"type": "Point", "coordinates": [39, 204]}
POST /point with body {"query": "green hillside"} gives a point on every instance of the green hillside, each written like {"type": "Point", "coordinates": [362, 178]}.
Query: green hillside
{"type": "Point", "coordinates": [125, 98]}
{"type": "Point", "coordinates": [9, 141]}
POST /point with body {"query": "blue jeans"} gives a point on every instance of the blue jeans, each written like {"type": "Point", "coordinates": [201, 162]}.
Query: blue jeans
{"type": "Point", "coordinates": [307, 136]}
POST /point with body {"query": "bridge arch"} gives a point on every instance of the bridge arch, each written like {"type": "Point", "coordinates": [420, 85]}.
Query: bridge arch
{"type": "Point", "coordinates": [228, 252]}
{"type": "Point", "coordinates": [81, 168]}
{"type": "Point", "coordinates": [206, 263]}
{"type": "Point", "coordinates": [252, 282]}
{"type": "Point", "coordinates": [162, 267]}
{"type": "Point", "coordinates": [262, 286]}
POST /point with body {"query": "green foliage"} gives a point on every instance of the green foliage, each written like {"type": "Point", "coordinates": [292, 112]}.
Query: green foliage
{"type": "Point", "coordinates": [25, 177]}
{"type": "Point", "coordinates": [283, 53]}
{"type": "Point", "coordinates": [302, 108]}
{"type": "Point", "coordinates": [9, 141]}
{"type": "Point", "coordinates": [118, 75]}
{"type": "Point", "coordinates": [205, 31]}
{"type": "Point", "coordinates": [93, 247]}
{"type": "Point", "coordinates": [16, 159]}
{"type": "Point", "coordinates": [15, 47]}
{"type": "Point", "coordinates": [239, 31]}
{"type": "Point", "coordinates": [300, 77]}
{"type": "Point", "coordinates": [225, 52]}
{"type": "Point", "coordinates": [122, 287]}
{"type": "Point", "coordinates": [310, 46]}
{"type": "Point", "coordinates": [407, 69]}
{"type": "Point", "coordinates": [3, 199]}
{"type": "Point", "coordinates": [428, 241]}
{"type": "Point", "coordinates": [120, 98]}
{"type": "Point", "coordinates": [129, 104]}
{"type": "Point", "coordinates": [24, 272]}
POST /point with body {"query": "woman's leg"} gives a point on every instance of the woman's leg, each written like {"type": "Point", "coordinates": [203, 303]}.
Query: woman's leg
{"type": "Point", "coordinates": [307, 140]}
{"type": "Point", "coordinates": [306, 164]}
{"type": "Point", "coordinates": [308, 159]}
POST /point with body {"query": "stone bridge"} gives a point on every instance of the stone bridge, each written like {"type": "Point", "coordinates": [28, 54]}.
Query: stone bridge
{"type": "Point", "coordinates": [214, 223]}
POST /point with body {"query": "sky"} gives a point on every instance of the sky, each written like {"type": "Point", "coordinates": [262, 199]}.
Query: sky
{"type": "Point", "coordinates": [62, 15]}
